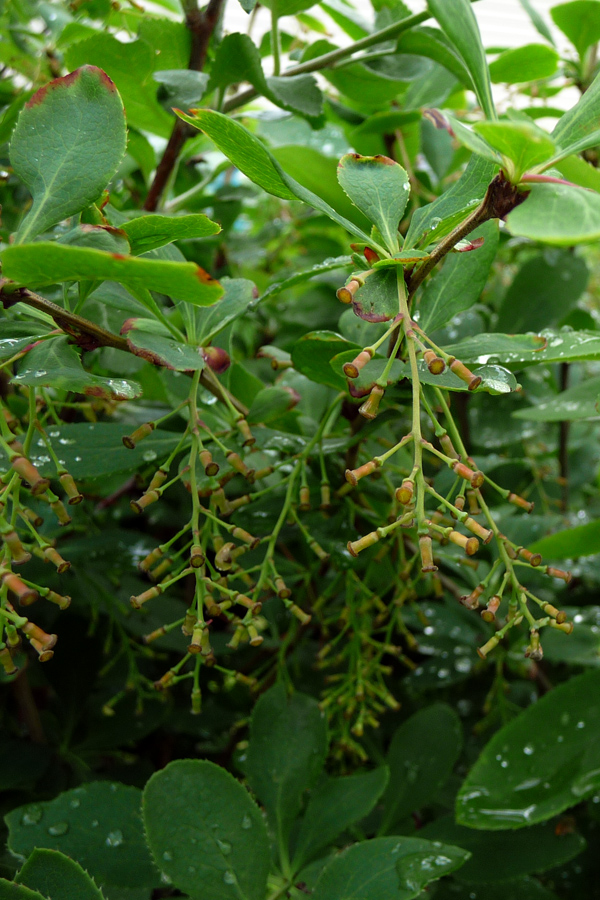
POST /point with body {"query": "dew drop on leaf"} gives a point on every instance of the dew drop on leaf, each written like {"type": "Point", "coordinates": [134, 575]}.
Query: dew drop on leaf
{"type": "Point", "coordinates": [32, 815]}
{"type": "Point", "coordinates": [246, 823]}
{"type": "Point", "coordinates": [229, 878]}
{"type": "Point", "coordinates": [114, 838]}
{"type": "Point", "coordinates": [58, 829]}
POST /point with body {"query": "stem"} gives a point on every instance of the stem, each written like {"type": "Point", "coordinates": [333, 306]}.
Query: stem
{"type": "Point", "coordinates": [416, 403]}
{"type": "Point", "coordinates": [275, 40]}
{"type": "Point", "coordinates": [201, 26]}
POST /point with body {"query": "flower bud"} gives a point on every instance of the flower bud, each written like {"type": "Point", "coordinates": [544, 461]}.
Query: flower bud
{"type": "Point", "coordinates": [245, 432]}
{"type": "Point", "coordinates": [474, 478]}
{"type": "Point", "coordinates": [138, 601]}
{"type": "Point", "coordinates": [304, 504]}
{"type": "Point", "coordinates": [520, 502]}
{"type": "Point", "coordinates": [353, 476]}
{"type": "Point", "coordinates": [459, 369]}
{"type": "Point", "coordinates": [131, 440]}
{"type": "Point", "coordinates": [346, 294]}
{"type": "Point", "coordinates": [325, 496]}
{"type": "Point", "coordinates": [223, 557]}
{"type": "Point", "coordinates": [28, 472]}
{"type": "Point", "coordinates": [370, 407]}
{"type": "Point", "coordinates": [353, 369]}
{"type": "Point", "coordinates": [489, 613]}
{"type": "Point", "coordinates": [362, 543]}
{"type": "Point", "coordinates": [426, 550]}
{"type": "Point", "coordinates": [471, 601]}
{"type": "Point", "coordinates": [256, 639]}
{"type": "Point", "coordinates": [145, 500]}
{"type": "Point", "coordinates": [486, 534]}
{"type": "Point", "coordinates": [237, 463]}
{"type": "Point", "coordinates": [303, 617]}
{"type": "Point", "coordinates": [534, 559]}
{"type": "Point", "coordinates": [157, 480]}
{"type": "Point", "coordinates": [283, 591]}
{"type": "Point", "coordinates": [52, 555]}
{"type": "Point", "coordinates": [7, 662]}
{"type": "Point", "coordinates": [559, 573]}
{"type": "Point", "coordinates": [404, 493]}
{"type": "Point", "coordinates": [434, 363]}
{"type": "Point", "coordinates": [210, 467]}
{"type": "Point", "coordinates": [246, 537]}
{"type": "Point", "coordinates": [534, 648]}
{"type": "Point", "coordinates": [58, 508]}
{"type": "Point", "coordinates": [196, 556]}
{"type": "Point", "coordinates": [488, 647]}
{"type": "Point", "coordinates": [216, 359]}
{"type": "Point", "coordinates": [16, 549]}
{"type": "Point", "coordinates": [146, 564]}
{"type": "Point", "coordinates": [469, 544]}
{"type": "Point", "coordinates": [448, 447]}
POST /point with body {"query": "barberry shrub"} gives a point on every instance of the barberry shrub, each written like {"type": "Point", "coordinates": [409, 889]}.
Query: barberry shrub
{"type": "Point", "coordinates": [298, 452]}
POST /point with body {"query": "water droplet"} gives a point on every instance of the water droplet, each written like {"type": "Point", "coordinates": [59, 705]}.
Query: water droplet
{"type": "Point", "coordinates": [167, 856]}
{"type": "Point", "coordinates": [58, 829]}
{"type": "Point", "coordinates": [191, 869]}
{"type": "Point", "coordinates": [528, 750]}
{"type": "Point", "coordinates": [74, 803]}
{"type": "Point", "coordinates": [246, 823]}
{"type": "Point", "coordinates": [165, 878]}
{"type": "Point", "coordinates": [581, 725]}
{"type": "Point", "coordinates": [32, 815]}
{"type": "Point", "coordinates": [149, 455]}
{"type": "Point", "coordinates": [114, 838]}
{"type": "Point", "coordinates": [224, 847]}
{"type": "Point", "coordinates": [229, 878]}
{"type": "Point", "coordinates": [94, 823]}
{"type": "Point", "coordinates": [504, 764]}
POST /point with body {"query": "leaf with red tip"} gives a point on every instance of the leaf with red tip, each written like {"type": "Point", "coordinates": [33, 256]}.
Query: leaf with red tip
{"type": "Point", "coordinates": [67, 145]}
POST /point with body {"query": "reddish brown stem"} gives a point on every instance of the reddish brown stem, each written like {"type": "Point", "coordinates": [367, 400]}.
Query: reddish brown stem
{"type": "Point", "coordinates": [201, 26]}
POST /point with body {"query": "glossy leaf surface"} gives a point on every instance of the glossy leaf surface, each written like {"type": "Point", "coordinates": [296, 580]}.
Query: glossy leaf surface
{"type": "Point", "coordinates": [557, 214]}
{"type": "Point", "coordinates": [541, 763]}
{"type": "Point", "coordinates": [67, 145]}
{"type": "Point", "coordinates": [379, 187]}
{"type": "Point", "coordinates": [205, 832]}
{"type": "Point", "coordinates": [55, 875]}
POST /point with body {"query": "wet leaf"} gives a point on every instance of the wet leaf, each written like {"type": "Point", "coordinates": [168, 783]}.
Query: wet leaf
{"type": "Point", "coordinates": [578, 402]}
{"type": "Point", "coordinates": [148, 232]}
{"type": "Point", "coordinates": [205, 832]}
{"type": "Point", "coordinates": [66, 146]}
{"type": "Point", "coordinates": [314, 352]}
{"type": "Point", "coordinates": [557, 214]}
{"type": "Point", "coordinates": [55, 875]}
{"type": "Point", "coordinates": [380, 188]}
{"type": "Point", "coordinates": [571, 543]}
{"type": "Point", "coordinates": [541, 763]}
{"type": "Point", "coordinates": [527, 63]}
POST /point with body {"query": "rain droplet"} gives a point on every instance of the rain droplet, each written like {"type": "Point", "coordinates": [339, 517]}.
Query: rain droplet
{"type": "Point", "coordinates": [32, 815]}
{"type": "Point", "coordinates": [149, 455]}
{"type": "Point", "coordinates": [224, 847]}
{"type": "Point", "coordinates": [114, 838]}
{"type": "Point", "coordinates": [167, 856]}
{"type": "Point", "coordinates": [246, 823]}
{"type": "Point", "coordinates": [58, 829]}
{"type": "Point", "coordinates": [94, 823]}
{"type": "Point", "coordinates": [74, 803]}
{"type": "Point", "coordinates": [528, 750]}
{"type": "Point", "coordinates": [229, 878]}
{"type": "Point", "coordinates": [581, 725]}
{"type": "Point", "coordinates": [191, 869]}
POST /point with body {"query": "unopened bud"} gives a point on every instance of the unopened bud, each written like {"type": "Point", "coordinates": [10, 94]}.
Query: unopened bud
{"type": "Point", "coordinates": [355, 547]}
{"type": "Point", "coordinates": [223, 557]}
{"type": "Point", "coordinates": [157, 480]}
{"type": "Point", "coordinates": [304, 504]}
{"type": "Point", "coordinates": [370, 407]}
{"type": "Point", "coordinates": [29, 473]}
{"type": "Point", "coordinates": [459, 369]}
{"type": "Point", "coordinates": [283, 591]}
{"type": "Point", "coordinates": [161, 568]}
{"type": "Point", "coordinates": [426, 550]}
{"type": "Point", "coordinates": [237, 463]}
{"type": "Point", "coordinates": [487, 648]}
{"type": "Point", "coordinates": [486, 534]}
{"type": "Point", "coordinates": [434, 363]}
{"type": "Point", "coordinates": [469, 544]}
{"type": "Point", "coordinates": [534, 648]}
{"type": "Point", "coordinates": [16, 549]}
{"type": "Point", "coordinates": [70, 488]}
{"type": "Point", "coordinates": [146, 564]}
{"type": "Point", "coordinates": [471, 601]}
{"type": "Point", "coordinates": [7, 662]}
{"type": "Point", "coordinates": [325, 496]}
{"type": "Point", "coordinates": [473, 503]}
{"type": "Point", "coordinates": [25, 595]}
{"type": "Point", "coordinates": [534, 559]}
{"type": "Point", "coordinates": [566, 627]}
{"type": "Point", "coordinates": [346, 294]}
{"type": "Point", "coordinates": [353, 476]}
{"type": "Point", "coordinates": [138, 601]}
{"type": "Point", "coordinates": [211, 468]}
{"type": "Point", "coordinates": [559, 573]}
{"type": "Point", "coordinates": [318, 550]}
{"type": "Point", "coordinates": [130, 440]}
{"type": "Point", "coordinates": [448, 447]}
{"type": "Point", "coordinates": [489, 613]}
{"type": "Point", "coordinates": [196, 698]}
{"type": "Point", "coordinates": [145, 500]}
{"type": "Point", "coordinates": [44, 653]}
{"type": "Point", "coordinates": [404, 493]}
{"type": "Point", "coordinates": [520, 502]}
{"type": "Point", "coordinates": [52, 555]}
{"type": "Point", "coordinates": [58, 508]}
{"type": "Point", "coordinates": [354, 368]}
{"type": "Point", "coordinates": [165, 681]}
{"type": "Point", "coordinates": [251, 540]}
{"type": "Point", "coordinates": [245, 432]}
{"type": "Point", "coordinates": [35, 633]}
{"type": "Point", "coordinates": [256, 639]}
{"type": "Point", "coordinates": [474, 478]}
{"type": "Point", "coordinates": [196, 556]}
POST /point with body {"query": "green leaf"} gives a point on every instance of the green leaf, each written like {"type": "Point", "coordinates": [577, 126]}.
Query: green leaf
{"type": "Point", "coordinates": [458, 21]}
{"type": "Point", "coordinates": [578, 128]}
{"type": "Point", "coordinates": [56, 363]}
{"type": "Point", "coordinates": [421, 757]}
{"type": "Point", "coordinates": [519, 889]}
{"type": "Point", "coordinates": [527, 63]}
{"type": "Point", "coordinates": [579, 171]}
{"type": "Point", "coordinates": [55, 875]}
{"type": "Point", "coordinates": [205, 832]}
{"type": "Point", "coordinates": [11, 345]}
{"type": "Point", "coordinates": [433, 44]}
{"type": "Point", "coordinates": [287, 749]}
{"type": "Point", "coordinates": [514, 853]}
{"type": "Point", "coordinates": [130, 65]}
{"type": "Point", "coordinates": [317, 172]}
{"type": "Point", "coordinates": [238, 59]}
{"type": "Point", "coordinates": [473, 141]}
{"type": "Point", "coordinates": [578, 402]}
{"type": "Point", "coordinates": [11, 891]}
{"type": "Point", "coordinates": [239, 297]}
{"type": "Point", "coordinates": [288, 7]}
{"type": "Point", "coordinates": [524, 144]}
{"type": "Point", "coordinates": [579, 20]}
{"type": "Point", "coordinates": [313, 353]}
{"type": "Point", "coordinates": [439, 218]}
{"type": "Point", "coordinates": [560, 346]}
{"type": "Point", "coordinates": [328, 265]}
{"type": "Point", "coordinates": [537, 20]}
{"type": "Point", "coordinates": [460, 282]}
{"type": "Point", "coordinates": [554, 742]}
{"type": "Point", "coordinates": [180, 87]}
{"type": "Point", "coordinates": [253, 159]}
{"type": "Point", "coordinates": [380, 188]}
{"type": "Point", "coordinates": [95, 449]}
{"type": "Point", "coordinates": [164, 351]}
{"type": "Point", "coordinates": [377, 299]}
{"type": "Point", "coordinates": [98, 824]}
{"type": "Point", "coordinates": [148, 232]}
{"type": "Point", "coordinates": [557, 214]}
{"type": "Point", "coordinates": [47, 262]}
{"type": "Point", "coordinates": [270, 404]}
{"type": "Point", "coordinates": [335, 804]}
{"type": "Point", "coordinates": [572, 543]}
{"type": "Point", "coordinates": [386, 868]}
{"type": "Point", "coordinates": [66, 146]}
{"type": "Point", "coordinates": [583, 646]}
{"type": "Point", "coordinates": [543, 291]}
